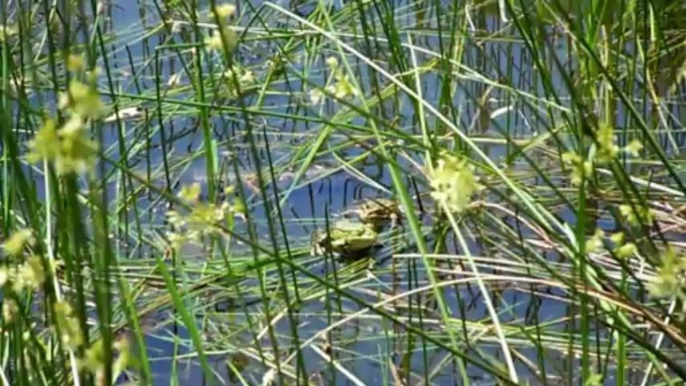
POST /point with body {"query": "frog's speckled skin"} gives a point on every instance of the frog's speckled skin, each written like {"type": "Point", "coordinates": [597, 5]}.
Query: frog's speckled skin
{"type": "Point", "coordinates": [344, 238]}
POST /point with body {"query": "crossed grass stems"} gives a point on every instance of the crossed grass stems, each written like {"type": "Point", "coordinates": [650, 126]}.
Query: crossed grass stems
{"type": "Point", "coordinates": [531, 238]}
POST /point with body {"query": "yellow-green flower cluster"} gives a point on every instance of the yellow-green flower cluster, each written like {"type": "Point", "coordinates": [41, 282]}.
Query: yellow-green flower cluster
{"type": "Point", "coordinates": [223, 33]}
{"type": "Point", "coordinates": [225, 10]}
{"type": "Point", "coordinates": [579, 166]}
{"type": "Point", "coordinates": [68, 148]}
{"type": "Point", "coordinates": [29, 274]}
{"type": "Point", "coordinates": [14, 245]}
{"type": "Point", "coordinates": [607, 150]}
{"type": "Point", "coordinates": [10, 309]}
{"type": "Point", "coordinates": [595, 243]}
{"type": "Point", "coordinates": [7, 31]}
{"type": "Point", "coordinates": [341, 87]}
{"type": "Point", "coordinates": [636, 215]}
{"type": "Point", "coordinates": [125, 359]}
{"type": "Point", "coordinates": [94, 358]}
{"type": "Point", "coordinates": [215, 43]}
{"type": "Point", "coordinates": [68, 326]}
{"type": "Point", "coordinates": [245, 77]}
{"type": "Point", "coordinates": [594, 379]}
{"type": "Point", "coordinates": [670, 276]}
{"type": "Point", "coordinates": [201, 220]}
{"type": "Point", "coordinates": [633, 148]}
{"type": "Point", "coordinates": [453, 184]}
{"type": "Point", "coordinates": [81, 100]}
{"type": "Point", "coordinates": [621, 249]}
{"type": "Point", "coordinates": [18, 274]}
{"type": "Point", "coordinates": [25, 273]}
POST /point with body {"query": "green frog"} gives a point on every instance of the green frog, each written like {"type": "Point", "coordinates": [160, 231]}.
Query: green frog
{"type": "Point", "coordinates": [344, 237]}
{"type": "Point", "coordinates": [378, 212]}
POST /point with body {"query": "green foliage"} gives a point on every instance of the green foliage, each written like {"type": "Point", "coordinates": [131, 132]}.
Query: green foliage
{"type": "Point", "coordinates": [533, 147]}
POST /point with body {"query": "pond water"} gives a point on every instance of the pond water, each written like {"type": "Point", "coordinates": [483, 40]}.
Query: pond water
{"type": "Point", "coordinates": [306, 201]}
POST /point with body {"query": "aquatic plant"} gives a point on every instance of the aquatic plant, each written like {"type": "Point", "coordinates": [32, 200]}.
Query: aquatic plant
{"type": "Point", "coordinates": [165, 163]}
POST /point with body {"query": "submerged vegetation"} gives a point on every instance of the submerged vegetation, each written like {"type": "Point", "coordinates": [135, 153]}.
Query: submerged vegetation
{"type": "Point", "coordinates": [363, 192]}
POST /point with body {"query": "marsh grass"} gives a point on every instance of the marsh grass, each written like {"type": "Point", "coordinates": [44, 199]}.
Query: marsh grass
{"type": "Point", "coordinates": [158, 230]}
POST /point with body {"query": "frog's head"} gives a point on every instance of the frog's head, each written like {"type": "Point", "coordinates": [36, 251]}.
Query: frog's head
{"type": "Point", "coordinates": [379, 212]}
